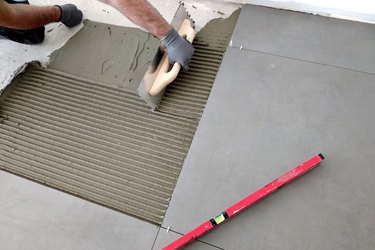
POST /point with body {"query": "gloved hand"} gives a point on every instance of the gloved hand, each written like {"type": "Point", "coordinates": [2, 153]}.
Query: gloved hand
{"type": "Point", "coordinates": [178, 48]}
{"type": "Point", "coordinates": [70, 15]}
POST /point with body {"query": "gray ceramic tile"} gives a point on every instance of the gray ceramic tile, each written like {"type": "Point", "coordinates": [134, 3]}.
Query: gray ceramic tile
{"type": "Point", "coordinates": [266, 115]}
{"type": "Point", "coordinates": [166, 237]}
{"type": "Point", "coordinates": [307, 37]}
{"type": "Point", "coordinates": [35, 217]}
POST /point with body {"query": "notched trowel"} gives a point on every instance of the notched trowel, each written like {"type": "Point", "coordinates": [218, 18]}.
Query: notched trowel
{"type": "Point", "coordinates": [159, 73]}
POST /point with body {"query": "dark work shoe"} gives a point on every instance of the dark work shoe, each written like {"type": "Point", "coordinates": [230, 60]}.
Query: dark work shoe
{"type": "Point", "coordinates": [31, 36]}
{"type": "Point", "coordinates": [17, 1]}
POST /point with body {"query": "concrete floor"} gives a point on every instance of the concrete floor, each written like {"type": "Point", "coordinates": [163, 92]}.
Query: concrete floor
{"type": "Point", "coordinates": [292, 85]}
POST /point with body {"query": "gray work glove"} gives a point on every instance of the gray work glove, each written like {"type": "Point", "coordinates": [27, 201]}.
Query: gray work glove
{"type": "Point", "coordinates": [178, 48]}
{"type": "Point", "coordinates": [70, 15]}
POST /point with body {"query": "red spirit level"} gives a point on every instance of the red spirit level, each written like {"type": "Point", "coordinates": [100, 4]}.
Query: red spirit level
{"type": "Point", "coordinates": [245, 203]}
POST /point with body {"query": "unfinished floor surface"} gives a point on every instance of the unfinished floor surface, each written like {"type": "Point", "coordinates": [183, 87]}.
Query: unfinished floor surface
{"type": "Point", "coordinates": [83, 131]}
{"type": "Point", "coordinates": [92, 141]}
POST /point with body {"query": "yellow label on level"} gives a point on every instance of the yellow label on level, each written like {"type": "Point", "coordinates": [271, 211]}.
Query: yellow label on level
{"type": "Point", "coordinates": [219, 219]}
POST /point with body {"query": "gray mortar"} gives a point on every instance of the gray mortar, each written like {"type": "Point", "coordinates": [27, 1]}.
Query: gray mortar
{"type": "Point", "coordinates": [114, 55]}
{"type": "Point", "coordinates": [219, 27]}
{"type": "Point", "coordinates": [80, 127]}
{"type": "Point", "coordinates": [188, 94]}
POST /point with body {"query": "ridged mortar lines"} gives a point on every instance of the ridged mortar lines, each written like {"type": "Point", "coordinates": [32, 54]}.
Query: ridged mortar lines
{"type": "Point", "coordinates": [139, 175]}
{"type": "Point", "coordinates": [25, 168]}
{"type": "Point", "coordinates": [100, 95]}
{"type": "Point", "coordinates": [113, 187]}
{"type": "Point", "coordinates": [46, 99]}
{"type": "Point", "coordinates": [188, 94]}
{"type": "Point", "coordinates": [99, 143]}
{"type": "Point", "coordinates": [133, 146]}
{"type": "Point", "coordinates": [132, 117]}
{"type": "Point", "coordinates": [54, 123]}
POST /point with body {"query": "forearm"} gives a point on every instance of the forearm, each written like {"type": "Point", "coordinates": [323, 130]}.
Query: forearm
{"type": "Point", "coordinates": [142, 13]}
{"type": "Point", "coordinates": [21, 16]}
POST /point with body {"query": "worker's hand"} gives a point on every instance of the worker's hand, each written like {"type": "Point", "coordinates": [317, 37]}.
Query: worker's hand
{"type": "Point", "coordinates": [70, 15]}
{"type": "Point", "coordinates": [178, 48]}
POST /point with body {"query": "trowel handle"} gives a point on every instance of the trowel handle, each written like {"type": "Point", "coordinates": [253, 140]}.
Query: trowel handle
{"type": "Point", "coordinates": [165, 75]}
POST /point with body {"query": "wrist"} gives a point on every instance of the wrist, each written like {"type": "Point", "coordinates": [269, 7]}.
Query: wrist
{"type": "Point", "coordinates": [58, 13]}
{"type": "Point", "coordinates": [171, 37]}
{"type": "Point", "coordinates": [164, 32]}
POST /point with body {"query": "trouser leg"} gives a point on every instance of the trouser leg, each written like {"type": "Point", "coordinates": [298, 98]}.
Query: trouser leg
{"type": "Point", "coordinates": [29, 36]}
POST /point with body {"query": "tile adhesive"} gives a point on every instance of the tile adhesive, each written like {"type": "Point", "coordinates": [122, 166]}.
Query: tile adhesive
{"type": "Point", "coordinates": [79, 126]}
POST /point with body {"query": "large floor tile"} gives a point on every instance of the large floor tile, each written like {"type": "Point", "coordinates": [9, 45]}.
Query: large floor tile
{"type": "Point", "coordinates": [166, 237]}
{"type": "Point", "coordinates": [307, 37]}
{"type": "Point", "coordinates": [36, 217]}
{"type": "Point", "coordinates": [266, 115]}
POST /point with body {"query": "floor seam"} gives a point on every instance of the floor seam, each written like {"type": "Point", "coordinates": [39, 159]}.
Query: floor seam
{"type": "Point", "coordinates": [204, 242]}
{"type": "Point", "coordinates": [156, 237]}
{"type": "Point", "coordinates": [302, 60]}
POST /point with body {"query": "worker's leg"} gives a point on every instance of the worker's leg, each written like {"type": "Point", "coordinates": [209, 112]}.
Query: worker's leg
{"type": "Point", "coordinates": [30, 36]}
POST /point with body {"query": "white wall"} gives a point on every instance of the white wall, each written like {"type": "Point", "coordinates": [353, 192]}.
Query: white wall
{"type": "Point", "coordinates": [358, 10]}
